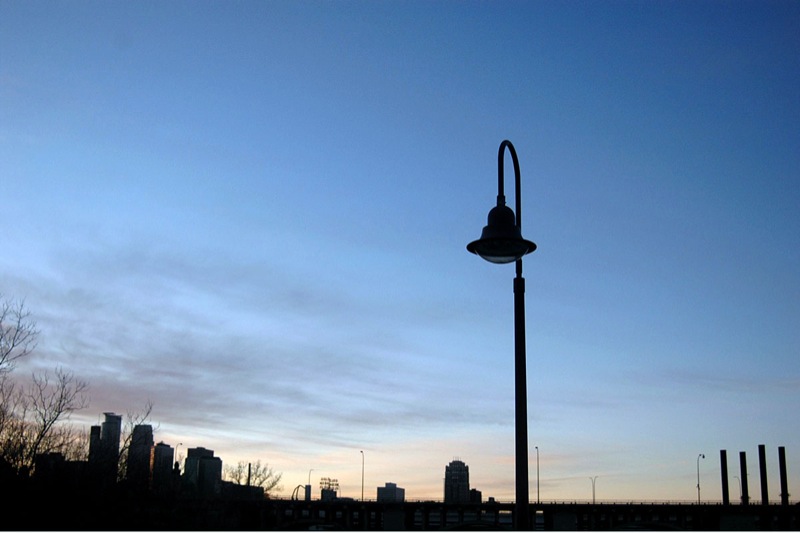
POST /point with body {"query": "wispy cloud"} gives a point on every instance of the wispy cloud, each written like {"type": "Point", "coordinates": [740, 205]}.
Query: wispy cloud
{"type": "Point", "coordinates": [309, 362]}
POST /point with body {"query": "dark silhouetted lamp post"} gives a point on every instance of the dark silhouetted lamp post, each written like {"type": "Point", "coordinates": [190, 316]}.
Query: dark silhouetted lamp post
{"type": "Point", "coordinates": [538, 500]}
{"type": "Point", "coordinates": [701, 456]}
{"type": "Point", "coordinates": [177, 456]}
{"type": "Point", "coordinates": [501, 242]}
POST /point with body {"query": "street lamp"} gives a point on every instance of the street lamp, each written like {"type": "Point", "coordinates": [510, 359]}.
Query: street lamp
{"type": "Point", "coordinates": [362, 475]}
{"type": "Point", "coordinates": [538, 500]}
{"type": "Point", "coordinates": [593, 479]}
{"type": "Point", "coordinates": [701, 456]}
{"type": "Point", "coordinates": [501, 242]}
{"type": "Point", "coordinates": [740, 487]}
{"type": "Point", "coordinates": [308, 487]}
{"type": "Point", "coordinates": [178, 457]}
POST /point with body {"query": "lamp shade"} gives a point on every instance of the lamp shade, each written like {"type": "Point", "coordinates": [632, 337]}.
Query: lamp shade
{"type": "Point", "coordinates": [501, 240]}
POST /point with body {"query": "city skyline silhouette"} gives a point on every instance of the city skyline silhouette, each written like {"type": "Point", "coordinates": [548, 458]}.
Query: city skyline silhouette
{"type": "Point", "coordinates": [129, 458]}
{"type": "Point", "coordinates": [254, 215]}
{"type": "Point", "coordinates": [133, 483]}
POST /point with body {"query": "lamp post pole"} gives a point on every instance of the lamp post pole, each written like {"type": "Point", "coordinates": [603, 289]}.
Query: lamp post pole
{"type": "Point", "coordinates": [362, 475]}
{"type": "Point", "coordinates": [701, 456]}
{"type": "Point", "coordinates": [178, 457]}
{"type": "Point", "coordinates": [593, 480]}
{"type": "Point", "coordinates": [520, 370]}
{"type": "Point", "coordinates": [740, 487]}
{"type": "Point", "coordinates": [521, 399]}
{"type": "Point", "coordinates": [501, 242]}
{"type": "Point", "coordinates": [538, 499]}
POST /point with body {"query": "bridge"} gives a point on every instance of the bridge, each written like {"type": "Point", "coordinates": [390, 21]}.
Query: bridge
{"type": "Point", "coordinates": [371, 515]}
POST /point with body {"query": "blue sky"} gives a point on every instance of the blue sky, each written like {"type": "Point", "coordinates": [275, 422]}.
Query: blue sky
{"type": "Point", "coordinates": [254, 214]}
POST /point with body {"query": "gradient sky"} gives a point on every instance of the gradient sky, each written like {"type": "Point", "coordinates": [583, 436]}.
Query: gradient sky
{"type": "Point", "coordinates": [254, 215]}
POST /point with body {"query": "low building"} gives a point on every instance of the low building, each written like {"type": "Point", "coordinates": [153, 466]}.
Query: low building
{"type": "Point", "coordinates": [391, 493]}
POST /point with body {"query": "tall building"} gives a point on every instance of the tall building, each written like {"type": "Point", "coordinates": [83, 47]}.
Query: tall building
{"type": "Point", "coordinates": [104, 449]}
{"type": "Point", "coordinates": [456, 482]}
{"type": "Point", "coordinates": [162, 468]}
{"type": "Point", "coordinates": [111, 430]}
{"type": "Point", "coordinates": [95, 450]}
{"type": "Point", "coordinates": [203, 472]}
{"type": "Point", "coordinates": [391, 493]}
{"type": "Point", "coordinates": [138, 465]}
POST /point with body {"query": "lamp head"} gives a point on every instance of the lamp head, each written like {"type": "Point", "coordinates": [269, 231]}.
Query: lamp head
{"type": "Point", "coordinates": [501, 240]}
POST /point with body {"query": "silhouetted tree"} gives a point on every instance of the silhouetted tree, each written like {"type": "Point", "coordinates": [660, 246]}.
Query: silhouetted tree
{"type": "Point", "coordinates": [32, 415]}
{"type": "Point", "coordinates": [18, 333]}
{"type": "Point", "coordinates": [52, 402]}
{"type": "Point", "coordinates": [35, 414]}
{"type": "Point", "coordinates": [259, 476]}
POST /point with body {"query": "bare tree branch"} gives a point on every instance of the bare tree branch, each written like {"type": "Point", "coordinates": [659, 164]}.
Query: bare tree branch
{"type": "Point", "coordinates": [32, 416]}
{"type": "Point", "coordinates": [18, 333]}
{"type": "Point", "coordinates": [261, 475]}
{"type": "Point", "coordinates": [51, 404]}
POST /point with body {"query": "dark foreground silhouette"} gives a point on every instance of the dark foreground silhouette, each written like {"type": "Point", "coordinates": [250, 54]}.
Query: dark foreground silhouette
{"type": "Point", "coordinates": [45, 509]}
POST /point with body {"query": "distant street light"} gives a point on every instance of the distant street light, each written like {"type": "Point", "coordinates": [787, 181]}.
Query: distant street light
{"type": "Point", "coordinates": [308, 487]}
{"type": "Point", "coordinates": [740, 487]}
{"type": "Point", "coordinates": [701, 456]}
{"type": "Point", "coordinates": [538, 499]}
{"type": "Point", "coordinates": [501, 242]}
{"type": "Point", "coordinates": [362, 475]}
{"type": "Point", "coordinates": [593, 479]}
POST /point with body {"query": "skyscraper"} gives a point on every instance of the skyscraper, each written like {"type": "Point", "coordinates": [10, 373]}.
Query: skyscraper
{"type": "Point", "coordinates": [138, 465]}
{"type": "Point", "coordinates": [203, 471]}
{"type": "Point", "coordinates": [456, 482]}
{"type": "Point", "coordinates": [95, 449]}
{"type": "Point", "coordinates": [162, 468]}
{"type": "Point", "coordinates": [104, 449]}
{"type": "Point", "coordinates": [111, 430]}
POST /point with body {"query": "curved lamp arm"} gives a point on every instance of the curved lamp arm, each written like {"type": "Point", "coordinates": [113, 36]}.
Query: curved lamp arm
{"type": "Point", "coordinates": [501, 199]}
